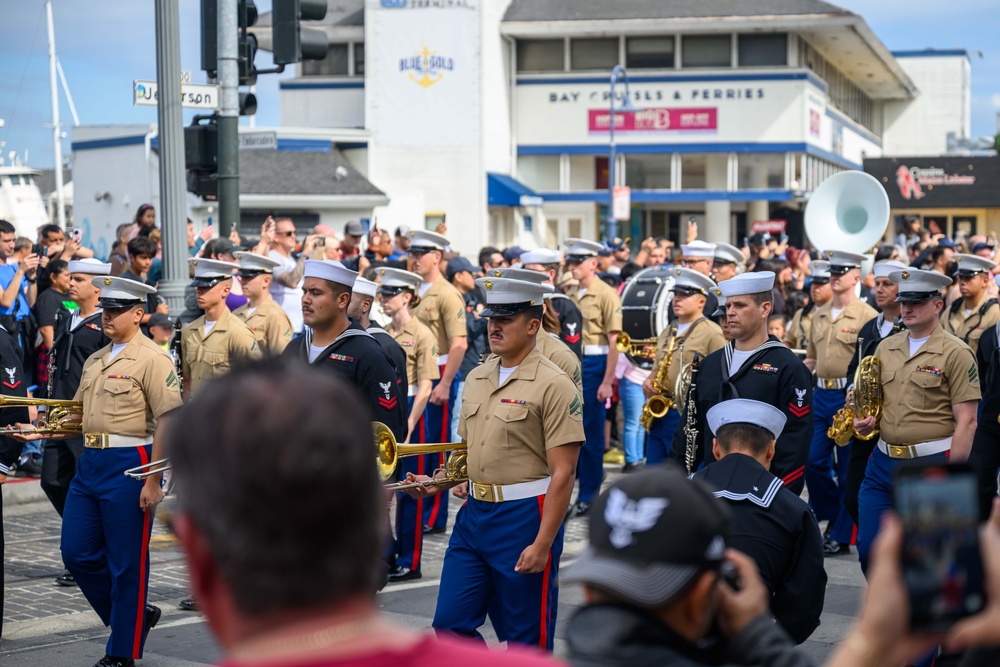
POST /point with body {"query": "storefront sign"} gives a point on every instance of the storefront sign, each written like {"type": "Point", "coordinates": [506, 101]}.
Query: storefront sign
{"type": "Point", "coordinates": [621, 203]}
{"type": "Point", "coordinates": [941, 182]}
{"type": "Point", "coordinates": [655, 120]}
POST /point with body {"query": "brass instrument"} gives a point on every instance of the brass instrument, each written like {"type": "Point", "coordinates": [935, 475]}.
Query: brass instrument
{"type": "Point", "coordinates": [642, 349]}
{"type": "Point", "coordinates": [62, 417]}
{"type": "Point", "coordinates": [149, 469]}
{"type": "Point", "coordinates": [691, 424]}
{"type": "Point", "coordinates": [656, 406]}
{"type": "Point", "coordinates": [388, 453]}
{"type": "Point", "coordinates": [867, 401]}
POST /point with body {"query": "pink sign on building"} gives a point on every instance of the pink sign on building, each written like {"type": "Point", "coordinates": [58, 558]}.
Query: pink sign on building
{"type": "Point", "coordinates": [655, 120]}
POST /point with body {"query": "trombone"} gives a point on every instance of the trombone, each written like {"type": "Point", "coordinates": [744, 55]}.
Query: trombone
{"type": "Point", "coordinates": [148, 469]}
{"type": "Point", "coordinates": [388, 452]}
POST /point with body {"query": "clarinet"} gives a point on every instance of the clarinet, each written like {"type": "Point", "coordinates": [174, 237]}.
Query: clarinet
{"type": "Point", "coordinates": [691, 425]}
{"type": "Point", "coordinates": [176, 353]}
{"type": "Point", "coordinates": [51, 366]}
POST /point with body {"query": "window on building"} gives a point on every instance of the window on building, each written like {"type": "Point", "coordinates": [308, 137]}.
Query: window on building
{"type": "Point", "coordinates": [707, 51]}
{"type": "Point", "coordinates": [540, 55]}
{"type": "Point", "coordinates": [693, 171]}
{"type": "Point", "coordinates": [763, 50]}
{"type": "Point", "coordinates": [539, 172]}
{"type": "Point", "coordinates": [589, 54]}
{"type": "Point", "coordinates": [336, 63]}
{"type": "Point", "coordinates": [15, 179]}
{"type": "Point", "coordinates": [648, 172]}
{"type": "Point", "coordinates": [649, 52]}
{"type": "Point", "coordinates": [433, 219]}
{"type": "Point", "coordinates": [359, 58]}
{"type": "Point", "coordinates": [761, 171]}
{"type": "Point", "coordinates": [583, 172]}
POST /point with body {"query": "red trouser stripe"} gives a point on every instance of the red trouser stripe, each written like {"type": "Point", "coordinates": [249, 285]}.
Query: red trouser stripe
{"type": "Point", "coordinates": [140, 613]}
{"type": "Point", "coordinates": [432, 519]}
{"type": "Point", "coordinates": [418, 530]}
{"type": "Point", "coordinates": [543, 637]}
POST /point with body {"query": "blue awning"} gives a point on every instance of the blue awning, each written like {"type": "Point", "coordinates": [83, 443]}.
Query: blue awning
{"type": "Point", "coordinates": [505, 190]}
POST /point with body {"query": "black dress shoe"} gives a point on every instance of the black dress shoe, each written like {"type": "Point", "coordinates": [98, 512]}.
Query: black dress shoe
{"type": "Point", "coordinates": [112, 661]}
{"type": "Point", "coordinates": [835, 548]}
{"type": "Point", "coordinates": [398, 574]}
{"type": "Point", "coordinates": [66, 579]}
{"type": "Point", "coordinates": [189, 604]}
{"type": "Point", "coordinates": [153, 614]}
{"type": "Point", "coordinates": [580, 509]}
{"type": "Point", "coordinates": [632, 467]}
{"type": "Point", "coordinates": [433, 530]}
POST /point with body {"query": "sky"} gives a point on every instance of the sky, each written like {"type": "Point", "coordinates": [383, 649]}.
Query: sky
{"type": "Point", "coordinates": [104, 46]}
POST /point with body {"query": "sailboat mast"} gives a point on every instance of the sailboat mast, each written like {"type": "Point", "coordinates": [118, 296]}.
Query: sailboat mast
{"type": "Point", "coordinates": [56, 127]}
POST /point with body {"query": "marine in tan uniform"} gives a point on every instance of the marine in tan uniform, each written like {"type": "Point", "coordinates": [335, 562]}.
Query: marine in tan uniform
{"type": "Point", "coordinates": [216, 341]}
{"type": "Point", "coordinates": [601, 308]}
{"type": "Point", "coordinates": [930, 387]}
{"type": "Point", "coordinates": [976, 311]}
{"type": "Point", "coordinates": [126, 390]}
{"type": "Point", "coordinates": [397, 292]}
{"type": "Point", "coordinates": [691, 333]}
{"type": "Point", "coordinates": [442, 309]}
{"type": "Point", "coordinates": [797, 334]}
{"type": "Point", "coordinates": [522, 420]}
{"type": "Point", "coordinates": [833, 342]}
{"type": "Point", "coordinates": [264, 317]}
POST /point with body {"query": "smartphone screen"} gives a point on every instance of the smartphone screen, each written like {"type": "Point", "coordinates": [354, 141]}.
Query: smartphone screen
{"type": "Point", "coordinates": [942, 565]}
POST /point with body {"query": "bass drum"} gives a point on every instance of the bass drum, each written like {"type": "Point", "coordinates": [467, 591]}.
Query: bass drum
{"type": "Point", "coordinates": [646, 304]}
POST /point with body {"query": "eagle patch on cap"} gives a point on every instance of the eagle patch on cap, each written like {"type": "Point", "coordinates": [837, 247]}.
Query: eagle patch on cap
{"type": "Point", "coordinates": [489, 284]}
{"type": "Point", "coordinates": [107, 282]}
{"type": "Point", "coordinates": [906, 274]}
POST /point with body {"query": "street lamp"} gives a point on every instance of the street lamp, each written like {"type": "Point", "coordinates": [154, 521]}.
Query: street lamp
{"type": "Point", "coordinates": [626, 107]}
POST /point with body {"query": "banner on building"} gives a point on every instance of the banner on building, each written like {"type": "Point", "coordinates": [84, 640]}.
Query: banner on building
{"type": "Point", "coordinates": [423, 70]}
{"type": "Point", "coordinates": [621, 203]}
{"type": "Point", "coordinates": [655, 120]}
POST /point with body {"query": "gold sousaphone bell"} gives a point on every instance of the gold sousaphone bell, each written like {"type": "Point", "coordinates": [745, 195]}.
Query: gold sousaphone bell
{"type": "Point", "coordinates": [388, 453]}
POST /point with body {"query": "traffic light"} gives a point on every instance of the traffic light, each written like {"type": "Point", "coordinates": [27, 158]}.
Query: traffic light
{"type": "Point", "coordinates": [201, 156]}
{"type": "Point", "coordinates": [290, 42]}
{"type": "Point", "coordinates": [209, 36]}
{"type": "Point", "coordinates": [248, 43]}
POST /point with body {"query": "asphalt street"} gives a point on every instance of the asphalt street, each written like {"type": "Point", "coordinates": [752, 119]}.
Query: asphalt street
{"type": "Point", "coordinates": [45, 624]}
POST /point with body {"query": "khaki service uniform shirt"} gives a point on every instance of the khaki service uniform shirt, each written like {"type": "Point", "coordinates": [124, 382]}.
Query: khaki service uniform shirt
{"type": "Point", "coordinates": [919, 391]}
{"type": "Point", "coordinates": [421, 352]}
{"type": "Point", "coordinates": [832, 343]}
{"type": "Point", "coordinates": [442, 310]}
{"type": "Point", "coordinates": [703, 337]}
{"type": "Point", "coordinates": [127, 394]}
{"type": "Point", "coordinates": [797, 335]}
{"type": "Point", "coordinates": [269, 324]}
{"type": "Point", "coordinates": [509, 429]}
{"type": "Point", "coordinates": [229, 343]}
{"type": "Point", "coordinates": [970, 327]}
{"type": "Point", "coordinates": [601, 308]}
{"type": "Point", "coordinates": [562, 356]}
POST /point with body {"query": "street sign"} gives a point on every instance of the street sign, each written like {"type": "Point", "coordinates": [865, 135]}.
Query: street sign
{"type": "Point", "coordinates": [193, 95]}
{"type": "Point", "coordinates": [259, 141]}
{"type": "Point", "coordinates": [621, 203]}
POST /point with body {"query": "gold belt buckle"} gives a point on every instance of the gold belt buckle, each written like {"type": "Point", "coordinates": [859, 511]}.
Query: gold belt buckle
{"type": "Point", "coordinates": [489, 493]}
{"type": "Point", "coordinates": [95, 440]}
{"type": "Point", "coordinates": [900, 452]}
{"type": "Point", "coordinates": [829, 384]}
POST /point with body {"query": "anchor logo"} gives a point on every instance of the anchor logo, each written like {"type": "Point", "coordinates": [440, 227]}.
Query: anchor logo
{"type": "Point", "coordinates": [426, 67]}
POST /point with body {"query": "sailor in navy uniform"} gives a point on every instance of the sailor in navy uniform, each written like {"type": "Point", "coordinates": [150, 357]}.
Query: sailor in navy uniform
{"type": "Point", "coordinates": [985, 455]}
{"type": "Point", "coordinates": [13, 385]}
{"type": "Point", "coordinates": [548, 261]}
{"type": "Point", "coordinates": [362, 298]}
{"type": "Point", "coordinates": [771, 524]}
{"type": "Point", "coordinates": [336, 343]}
{"type": "Point", "coordinates": [700, 256]}
{"type": "Point", "coordinates": [886, 324]}
{"type": "Point", "coordinates": [757, 366]}
{"type": "Point", "coordinates": [76, 338]}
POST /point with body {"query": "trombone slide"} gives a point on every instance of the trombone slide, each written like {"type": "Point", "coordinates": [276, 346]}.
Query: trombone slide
{"type": "Point", "coordinates": [154, 468]}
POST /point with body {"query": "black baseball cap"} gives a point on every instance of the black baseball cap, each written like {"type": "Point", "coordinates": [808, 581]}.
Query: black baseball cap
{"type": "Point", "coordinates": [651, 535]}
{"type": "Point", "coordinates": [457, 265]}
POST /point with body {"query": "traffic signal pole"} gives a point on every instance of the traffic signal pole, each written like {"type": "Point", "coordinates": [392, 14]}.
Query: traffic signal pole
{"type": "Point", "coordinates": [229, 116]}
{"type": "Point", "coordinates": [173, 208]}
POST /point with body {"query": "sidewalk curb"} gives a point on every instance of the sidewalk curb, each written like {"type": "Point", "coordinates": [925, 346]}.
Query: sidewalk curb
{"type": "Point", "coordinates": [22, 491]}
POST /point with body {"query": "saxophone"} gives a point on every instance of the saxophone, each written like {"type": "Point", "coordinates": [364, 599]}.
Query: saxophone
{"type": "Point", "coordinates": [691, 424]}
{"type": "Point", "coordinates": [657, 405]}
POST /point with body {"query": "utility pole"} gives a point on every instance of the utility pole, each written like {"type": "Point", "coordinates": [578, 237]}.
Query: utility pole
{"type": "Point", "coordinates": [229, 116]}
{"type": "Point", "coordinates": [173, 210]}
{"type": "Point", "coordinates": [56, 127]}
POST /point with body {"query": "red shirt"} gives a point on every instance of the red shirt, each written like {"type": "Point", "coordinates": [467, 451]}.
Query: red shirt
{"type": "Point", "coordinates": [430, 652]}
